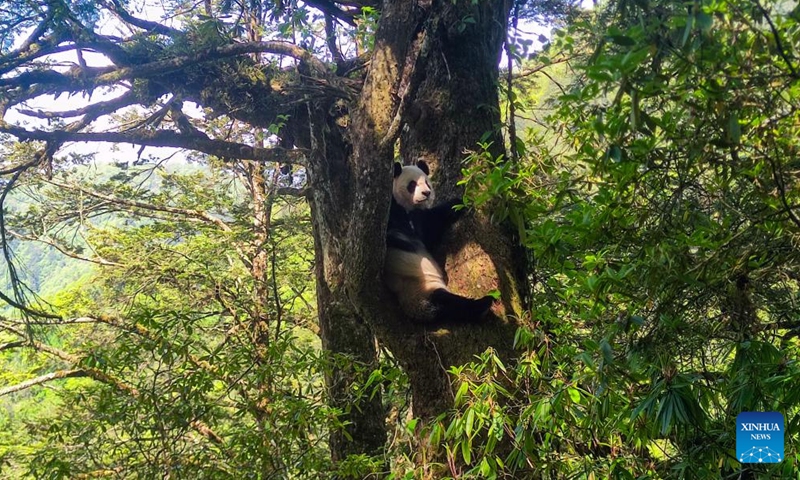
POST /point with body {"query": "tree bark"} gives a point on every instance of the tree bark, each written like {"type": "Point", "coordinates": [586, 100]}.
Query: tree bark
{"type": "Point", "coordinates": [344, 333]}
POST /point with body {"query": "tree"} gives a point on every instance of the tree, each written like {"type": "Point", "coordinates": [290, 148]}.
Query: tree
{"type": "Point", "coordinates": [340, 111]}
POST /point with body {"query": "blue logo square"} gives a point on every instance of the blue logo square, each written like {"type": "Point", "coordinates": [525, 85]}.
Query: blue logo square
{"type": "Point", "coordinates": [759, 437]}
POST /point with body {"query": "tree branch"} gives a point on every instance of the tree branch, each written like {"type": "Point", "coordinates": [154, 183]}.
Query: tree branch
{"type": "Point", "coordinates": [20, 167]}
{"type": "Point", "coordinates": [42, 379]}
{"type": "Point", "coordinates": [96, 375]}
{"type": "Point", "coordinates": [778, 43]}
{"type": "Point", "coordinates": [96, 76]}
{"type": "Point", "coordinates": [292, 192]}
{"type": "Point", "coordinates": [182, 121]}
{"type": "Point", "coordinates": [10, 345]}
{"type": "Point", "coordinates": [409, 80]}
{"type": "Point", "coordinates": [330, 39]}
{"type": "Point", "coordinates": [330, 8]}
{"type": "Point", "coordinates": [777, 175]}
{"type": "Point", "coordinates": [115, 7]}
{"type": "Point", "coordinates": [63, 249]}
{"type": "Point", "coordinates": [67, 357]}
{"type": "Point", "coordinates": [47, 46]}
{"type": "Point", "coordinates": [186, 212]}
{"type": "Point", "coordinates": [124, 100]}
{"type": "Point", "coordinates": [164, 138]}
{"type": "Point", "coordinates": [531, 71]}
{"type": "Point", "coordinates": [36, 34]}
{"type": "Point", "coordinates": [235, 49]}
{"type": "Point", "coordinates": [58, 321]}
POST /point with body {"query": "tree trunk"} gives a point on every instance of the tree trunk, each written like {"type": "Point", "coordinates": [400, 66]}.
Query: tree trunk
{"type": "Point", "coordinates": [455, 106]}
{"type": "Point", "coordinates": [344, 333]}
{"type": "Point", "coordinates": [435, 74]}
{"type": "Point", "coordinates": [455, 64]}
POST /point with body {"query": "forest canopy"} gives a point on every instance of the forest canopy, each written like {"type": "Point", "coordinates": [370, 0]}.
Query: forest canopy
{"type": "Point", "coordinates": [194, 206]}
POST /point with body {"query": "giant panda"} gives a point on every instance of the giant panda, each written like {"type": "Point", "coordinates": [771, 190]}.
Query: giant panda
{"type": "Point", "coordinates": [415, 229]}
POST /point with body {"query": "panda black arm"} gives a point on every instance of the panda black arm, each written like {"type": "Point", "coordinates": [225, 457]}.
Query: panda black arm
{"type": "Point", "coordinates": [447, 212]}
{"type": "Point", "coordinates": [434, 222]}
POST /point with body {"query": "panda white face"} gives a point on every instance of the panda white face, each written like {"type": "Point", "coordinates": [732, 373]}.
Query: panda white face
{"type": "Point", "coordinates": [411, 188]}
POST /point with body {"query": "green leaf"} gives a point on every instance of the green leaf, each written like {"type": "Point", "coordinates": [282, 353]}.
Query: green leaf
{"type": "Point", "coordinates": [574, 395]}
{"type": "Point", "coordinates": [485, 468]}
{"type": "Point", "coordinates": [466, 452]}
{"type": "Point", "coordinates": [411, 426]}
{"type": "Point", "coordinates": [734, 130]}
{"type": "Point", "coordinates": [461, 392]}
{"type": "Point", "coordinates": [614, 153]}
{"type": "Point", "coordinates": [436, 434]}
{"type": "Point", "coordinates": [704, 21]}
{"type": "Point", "coordinates": [498, 363]}
{"type": "Point", "coordinates": [622, 40]}
{"type": "Point", "coordinates": [599, 74]}
{"type": "Point", "coordinates": [687, 30]}
{"type": "Point", "coordinates": [634, 58]}
{"type": "Point", "coordinates": [608, 353]}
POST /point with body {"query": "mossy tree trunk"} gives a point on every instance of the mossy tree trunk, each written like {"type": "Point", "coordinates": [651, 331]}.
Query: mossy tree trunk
{"type": "Point", "coordinates": [432, 76]}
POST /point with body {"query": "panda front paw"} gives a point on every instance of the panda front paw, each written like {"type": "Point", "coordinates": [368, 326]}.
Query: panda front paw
{"type": "Point", "coordinates": [447, 212]}
{"type": "Point", "coordinates": [451, 204]}
{"type": "Point", "coordinates": [485, 304]}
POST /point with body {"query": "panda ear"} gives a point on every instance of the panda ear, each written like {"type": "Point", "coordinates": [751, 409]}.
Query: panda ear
{"type": "Point", "coordinates": [424, 167]}
{"type": "Point", "coordinates": [398, 169]}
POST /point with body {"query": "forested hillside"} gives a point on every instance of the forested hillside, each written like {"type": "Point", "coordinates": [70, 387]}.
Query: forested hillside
{"type": "Point", "coordinates": [44, 268]}
{"type": "Point", "coordinates": [210, 303]}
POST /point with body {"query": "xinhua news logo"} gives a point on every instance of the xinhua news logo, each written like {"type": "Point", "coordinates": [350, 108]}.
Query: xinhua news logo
{"type": "Point", "coordinates": [759, 437]}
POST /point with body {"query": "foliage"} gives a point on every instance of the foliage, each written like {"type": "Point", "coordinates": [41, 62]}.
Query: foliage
{"type": "Point", "coordinates": [165, 332]}
{"type": "Point", "coordinates": [660, 205]}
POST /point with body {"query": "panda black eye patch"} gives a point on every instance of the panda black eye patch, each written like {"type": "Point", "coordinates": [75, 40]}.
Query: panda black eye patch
{"type": "Point", "coordinates": [412, 185]}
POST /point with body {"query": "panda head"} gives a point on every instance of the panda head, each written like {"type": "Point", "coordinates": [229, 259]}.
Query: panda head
{"type": "Point", "coordinates": [411, 188]}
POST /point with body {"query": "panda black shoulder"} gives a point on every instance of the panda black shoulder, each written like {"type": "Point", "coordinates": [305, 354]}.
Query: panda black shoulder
{"type": "Point", "coordinates": [399, 218]}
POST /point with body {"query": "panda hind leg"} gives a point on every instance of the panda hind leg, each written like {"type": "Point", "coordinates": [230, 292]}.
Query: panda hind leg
{"type": "Point", "coordinates": [451, 307]}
